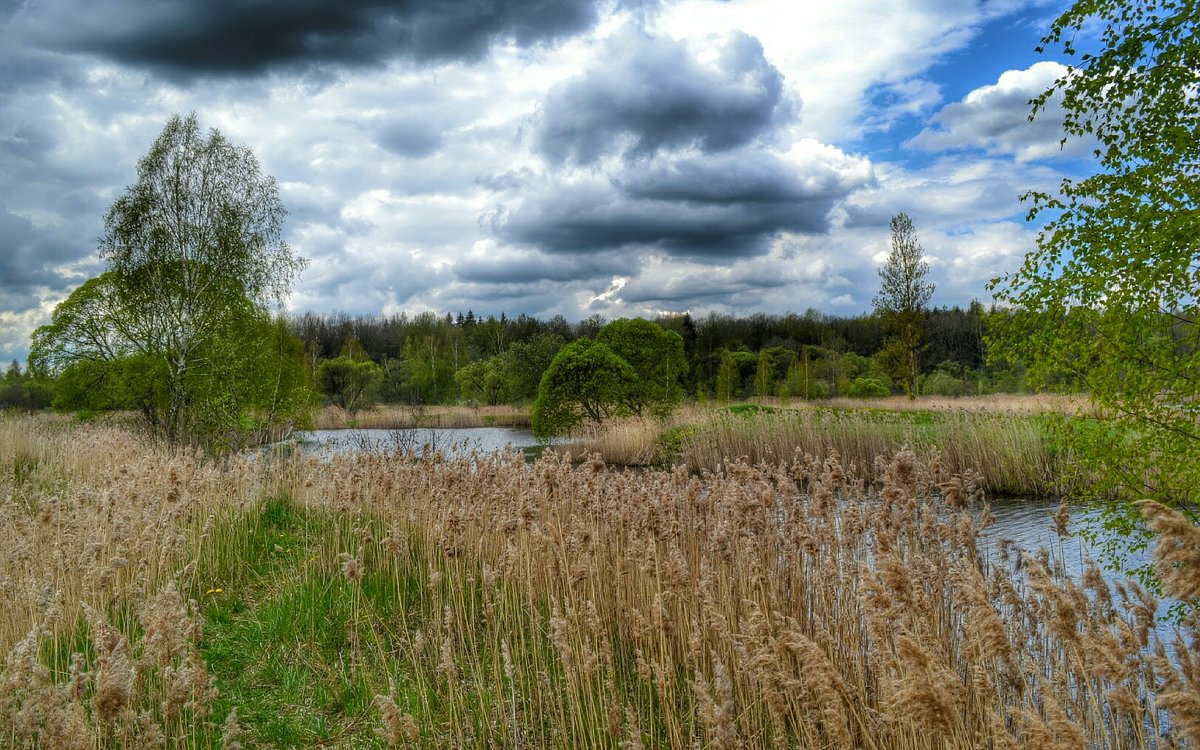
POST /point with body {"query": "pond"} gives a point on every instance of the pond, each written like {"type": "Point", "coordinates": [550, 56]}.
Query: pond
{"type": "Point", "coordinates": [326, 443]}
{"type": "Point", "coordinates": [1026, 524]}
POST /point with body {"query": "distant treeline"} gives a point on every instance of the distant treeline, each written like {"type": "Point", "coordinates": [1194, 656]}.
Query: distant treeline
{"type": "Point", "coordinates": [461, 358]}
{"type": "Point", "coordinates": [20, 389]}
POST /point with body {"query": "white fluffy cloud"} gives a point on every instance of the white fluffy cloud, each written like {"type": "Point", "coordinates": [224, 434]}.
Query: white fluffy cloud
{"type": "Point", "coordinates": [995, 118]}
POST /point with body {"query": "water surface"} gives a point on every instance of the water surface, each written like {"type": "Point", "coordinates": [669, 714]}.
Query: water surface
{"type": "Point", "coordinates": [450, 440]}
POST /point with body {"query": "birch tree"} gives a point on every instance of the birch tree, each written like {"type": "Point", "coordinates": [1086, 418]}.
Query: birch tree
{"type": "Point", "coordinates": [1110, 298]}
{"type": "Point", "coordinates": [195, 262]}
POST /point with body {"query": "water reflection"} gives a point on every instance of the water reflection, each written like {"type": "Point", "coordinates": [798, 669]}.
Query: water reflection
{"type": "Point", "coordinates": [1026, 525]}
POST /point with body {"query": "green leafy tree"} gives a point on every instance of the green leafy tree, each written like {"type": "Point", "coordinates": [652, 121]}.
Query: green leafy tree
{"type": "Point", "coordinates": [802, 374]}
{"type": "Point", "coordinates": [764, 374]}
{"type": "Point", "coordinates": [1108, 299]}
{"type": "Point", "coordinates": [865, 387]}
{"type": "Point", "coordinates": [656, 355]}
{"type": "Point", "coordinates": [257, 384]}
{"type": "Point", "coordinates": [947, 379]}
{"type": "Point", "coordinates": [24, 390]}
{"type": "Point", "coordinates": [427, 369]}
{"type": "Point", "coordinates": [727, 377]}
{"type": "Point", "coordinates": [195, 261]}
{"type": "Point", "coordinates": [585, 381]}
{"type": "Point", "coordinates": [483, 381]}
{"type": "Point", "coordinates": [526, 361]}
{"type": "Point", "coordinates": [903, 295]}
{"type": "Point", "coordinates": [351, 380]}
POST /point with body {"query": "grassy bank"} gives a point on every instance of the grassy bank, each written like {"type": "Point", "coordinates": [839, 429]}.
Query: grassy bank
{"type": "Point", "coordinates": [1009, 453]}
{"type": "Point", "coordinates": [485, 602]}
{"type": "Point", "coordinates": [394, 417]}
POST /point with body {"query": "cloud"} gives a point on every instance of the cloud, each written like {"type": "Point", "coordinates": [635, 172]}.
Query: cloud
{"type": "Point", "coordinates": [842, 58]}
{"type": "Point", "coordinates": [34, 257]}
{"type": "Point", "coordinates": [184, 39]}
{"type": "Point", "coordinates": [646, 93]}
{"type": "Point", "coordinates": [995, 118]}
{"type": "Point", "coordinates": [411, 137]}
{"type": "Point", "coordinates": [725, 205]}
{"type": "Point", "coordinates": [669, 287]}
{"type": "Point", "coordinates": [508, 266]}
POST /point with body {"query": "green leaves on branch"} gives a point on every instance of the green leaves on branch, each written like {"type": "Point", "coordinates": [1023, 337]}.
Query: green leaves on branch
{"type": "Point", "coordinates": [585, 381]}
{"type": "Point", "coordinates": [657, 358]}
{"type": "Point", "coordinates": [1108, 300]}
{"type": "Point", "coordinates": [348, 383]}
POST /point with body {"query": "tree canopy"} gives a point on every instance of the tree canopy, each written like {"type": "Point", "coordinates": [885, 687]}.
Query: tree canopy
{"type": "Point", "coordinates": [1109, 296]}
{"type": "Point", "coordinates": [351, 381]}
{"type": "Point", "coordinates": [586, 380]}
{"type": "Point", "coordinates": [179, 325]}
{"type": "Point", "coordinates": [633, 367]}
{"type": "Point", "coordinates": [656, 356]}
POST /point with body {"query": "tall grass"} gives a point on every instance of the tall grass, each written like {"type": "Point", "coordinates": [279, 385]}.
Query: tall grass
{"type": "Point", "coordinates": [479, 601]}
{"type": "Point", "coordinates": [996, 403]}
{"type": "Point", "coordinates": [1005, 453]}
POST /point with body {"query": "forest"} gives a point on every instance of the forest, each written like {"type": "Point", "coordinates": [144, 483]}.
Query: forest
{"type": "Point", "coordinates": [461, 358]}
{"type": "Point", "coordinates": [428, 359]}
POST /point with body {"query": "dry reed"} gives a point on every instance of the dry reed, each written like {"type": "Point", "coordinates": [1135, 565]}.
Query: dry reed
{"type": "Point", "coordinates": [795, 602]}
{"type": "Point", "coordinates": [1001, 453]}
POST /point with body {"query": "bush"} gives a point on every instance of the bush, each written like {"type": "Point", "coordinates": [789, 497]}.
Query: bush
{"type": "Point", "coordinates": [867, 388]}
{"type": "Point", "coordinates": [942, 383]}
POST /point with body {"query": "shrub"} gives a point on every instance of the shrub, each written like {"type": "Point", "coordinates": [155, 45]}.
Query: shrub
{"type": "Point", "coordinates": [867, 388]}
{"type": "Point", "coordinates": [942, 383]}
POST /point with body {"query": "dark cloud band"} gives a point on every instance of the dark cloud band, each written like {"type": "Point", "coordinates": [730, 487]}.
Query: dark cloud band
{"type": "Point", "coordinates": [720, 206]}
{"type": "Point", "coordinates": [188, 38]}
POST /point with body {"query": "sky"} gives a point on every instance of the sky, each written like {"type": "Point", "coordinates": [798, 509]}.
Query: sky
{"type": "Point", "coordinates": [575, 157]}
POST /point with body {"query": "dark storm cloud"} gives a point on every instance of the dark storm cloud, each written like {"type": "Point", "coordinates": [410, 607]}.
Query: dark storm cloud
{"type": "Point", "coordinates": [725, 205]}
{"type": "Point", "coordinates": [523, 267]}
{"type": "Point", "coordinates": [745, 177]}
{"type": "Point", "coordinates": [189, 38]}
{"type": "Point", "coordinates": [647, 93]}
{"type": "Point", "coordinates": [30, 258]}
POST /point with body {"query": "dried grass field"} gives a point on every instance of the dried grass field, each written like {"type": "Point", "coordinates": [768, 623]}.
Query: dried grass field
{"type": "Point", "coordinates": [158, 598]}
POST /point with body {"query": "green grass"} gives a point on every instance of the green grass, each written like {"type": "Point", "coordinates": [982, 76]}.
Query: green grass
{"type": "Point", "coordinates": [749, 410]}
{"type": "Point", "coordinates": [301, 651]}
{"type": "Point", "coordinates": [289, 639]}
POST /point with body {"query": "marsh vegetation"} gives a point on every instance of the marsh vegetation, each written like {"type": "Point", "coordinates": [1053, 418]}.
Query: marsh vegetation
{"type": "Point", "coordinates": [160, 598]}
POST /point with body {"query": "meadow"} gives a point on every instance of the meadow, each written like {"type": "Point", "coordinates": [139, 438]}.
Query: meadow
{"type": "Point", "coordinates": [160, 598]}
